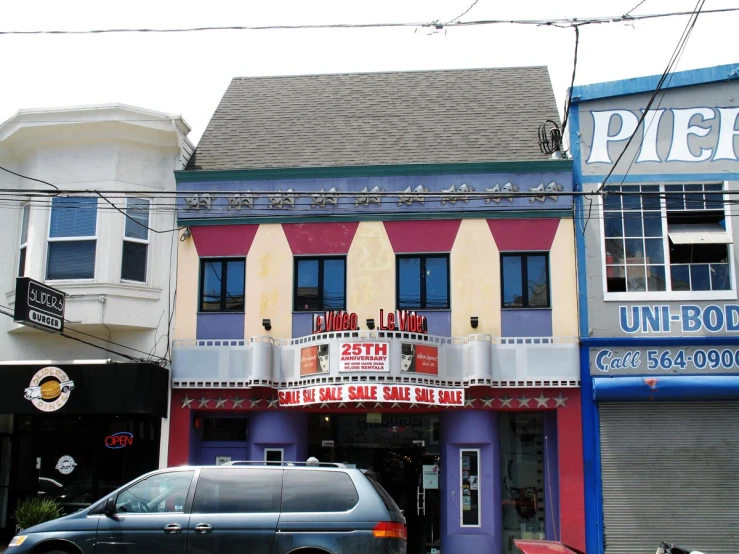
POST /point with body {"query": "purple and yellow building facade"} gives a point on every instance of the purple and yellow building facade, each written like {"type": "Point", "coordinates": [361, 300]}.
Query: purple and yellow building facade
{"type": "Point", "coordinates": [467, 406]}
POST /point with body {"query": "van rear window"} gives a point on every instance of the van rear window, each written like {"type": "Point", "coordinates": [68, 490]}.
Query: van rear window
{"type": "Point", "coordinates": [390, 504]}
{"type": "Point", "coordinates": [318, 491]}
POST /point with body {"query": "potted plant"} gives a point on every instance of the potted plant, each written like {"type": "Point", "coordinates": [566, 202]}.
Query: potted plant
{"type": "Point", "coordinates": [33, 511]}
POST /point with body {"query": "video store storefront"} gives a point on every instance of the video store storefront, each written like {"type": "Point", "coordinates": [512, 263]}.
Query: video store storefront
{"type": "Point", "coordinates": [473, 466]}
{"type": "Point", "coordinates": [76, 432]}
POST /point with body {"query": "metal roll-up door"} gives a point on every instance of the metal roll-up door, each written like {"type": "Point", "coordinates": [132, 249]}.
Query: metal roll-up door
{"type": "Point", "coordinates": [670, 473]}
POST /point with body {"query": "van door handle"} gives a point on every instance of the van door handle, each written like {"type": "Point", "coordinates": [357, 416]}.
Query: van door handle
{"type": "Point", "coordinates": [203, 528]}
{"type": "Point", "coordinates": [173, 528]}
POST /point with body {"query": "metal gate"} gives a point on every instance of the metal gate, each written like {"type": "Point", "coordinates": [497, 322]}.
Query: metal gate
{"type": "Point", "coordinates": [670, 473]}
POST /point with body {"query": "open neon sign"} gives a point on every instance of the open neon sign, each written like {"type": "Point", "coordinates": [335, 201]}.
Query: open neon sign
{"type": "Point", "coordinates": [119, 440]}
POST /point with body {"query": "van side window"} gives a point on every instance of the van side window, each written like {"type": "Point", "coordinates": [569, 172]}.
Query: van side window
{"type": "Point", "coordinates": [318, 491]}
{"type": "Point", "coordinates": [237, 491]}
{"type": "Point", "coordinates": [160, 493]}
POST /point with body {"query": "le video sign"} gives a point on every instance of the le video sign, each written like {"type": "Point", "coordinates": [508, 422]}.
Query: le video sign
{"type": "Point", "coordinates": [38, 305]}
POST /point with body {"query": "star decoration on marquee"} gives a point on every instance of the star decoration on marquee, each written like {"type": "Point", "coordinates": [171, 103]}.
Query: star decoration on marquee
{"type": "Point", "coordinates": [273, 403]}
{"type": "Point", "coordinates": [378, 404]}
{"type": "Point", "coordinates": [220, 402]}
{"type": "Point", "coordinates": [541, 401]}
{"type": "Point", "coordinates": [487, 402]}
{"type": "Point", "coordinates": [523, 400]}
{"type": "Point", "coordinates": [395, 405]}
{"type": "Point", "coordinates": [360, 405]}
{"type": "Point", "coordinates": [414, 405]}
{"type": "Point", "coordinates": [237, 402]}
{"type": "Point", "coordinates": [187, 401]}
{"type": "Point", "coordinates": [470, 403]}
{"type": "Point", "coordinates": [324, 405]}
{"type": "Point", "coordinates": [324, 198]}
{"type": "Point", "coordinates": [342, 405]}
{"type": "Point", "coordinates": [505, 402]}
{"type": "Point", "coordinates": [254, 403]}
{"type": "Point", "coordinates": [560, 401]}
{"type": "Point", "coordinates": [204, 402]}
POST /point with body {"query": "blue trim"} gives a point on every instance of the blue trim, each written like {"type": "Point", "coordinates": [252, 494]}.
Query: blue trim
{"type": "Point", "coordinates": [659, 178]}
{"type": "Point", "coordinates": [591, 459]}
{"type": "Point", "coordinates": [666, 387]}
{"type": "Point", "coordinates": [638, 85]}
{"type": "Point", "coordinates": [579, 218]}
{"type": "Point", "coordinates": [657, 341]}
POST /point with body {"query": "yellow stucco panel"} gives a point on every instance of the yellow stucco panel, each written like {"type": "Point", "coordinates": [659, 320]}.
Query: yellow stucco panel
{"type": "Point", "coordinates": [186, 303]}
{"type": "Point", "coordinates": [370, 275]}
{"type": "Point", "coordinates": [563, 281]}
{"type": "Point", "coordinates": [475, 279]}
{"type": "Point", "coordinates": [269, 283]}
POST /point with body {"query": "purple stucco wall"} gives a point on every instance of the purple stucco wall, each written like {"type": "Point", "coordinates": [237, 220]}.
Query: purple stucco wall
{"type": "Point", "coordinates": [471, 429]}
{"type": "Point", "coordinates": [526, 323]}
{"type": "Point", "coordinates": [220, 326]}
{"type": "Point", "coordinates": [279, 429]}
{"type": "Point", "coordinates": [439, 322]}
{"type": "Point", "coordinates": [302, 324]}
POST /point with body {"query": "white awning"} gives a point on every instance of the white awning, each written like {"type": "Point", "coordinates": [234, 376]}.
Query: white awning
{"type": "Point", "coordinates": [699, 233]}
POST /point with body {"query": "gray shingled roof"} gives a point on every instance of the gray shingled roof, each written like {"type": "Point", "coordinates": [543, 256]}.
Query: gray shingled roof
{"type": "Point", "coordinates": [450, 116]}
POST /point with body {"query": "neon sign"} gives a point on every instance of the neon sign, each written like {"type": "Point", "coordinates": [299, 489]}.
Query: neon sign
{"type": "Point", "coordinates": [119, 440]}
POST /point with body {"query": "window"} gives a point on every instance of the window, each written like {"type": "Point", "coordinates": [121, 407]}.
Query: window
{"type": "Point", "coordinates": [72, 238]}
{"type": "Point", "coordinates": [164, 492]}
{"type": "Point", "coordinates": [469, 493]}
{"type": "Point", "coordinates": [135, 240]}
{"type": "Point", "coordinates": [238, 491]}
{"type": "Point", "coordinates": [274, 455]}
{"type": "Point", "coordinates": [679, 243]}
{"type": "Point", "coordinates": [25, 213]}
{"type": "Point", "coordinates": [222, 285]}
{"type": "Point", "coordinates": [423, 282]}
{"type": "Point", "coordinates": [320, 284]}
{"type": "Point", "coordinates": [525, 281]}
{"type": "Point", "coordinates": [318, 491]}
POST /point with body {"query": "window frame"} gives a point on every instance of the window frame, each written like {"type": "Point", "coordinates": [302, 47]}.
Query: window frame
{"type": "Point", "coordinates": [321, 260]}
{"type": "Point", "coordinates": [422, 276]}
{"type": "Point", "coordinates": [524, 282]}
{"type": "Point", "coordinates": [146, 241]}
{"type": "Point", "coordinates": [224, 282]}
{"type": "Point", "coordinates": [90, 238]}
{"type": "Point", "coordinates": [23, 247]}
{"type": "Point", "coordinates": [669, 294]}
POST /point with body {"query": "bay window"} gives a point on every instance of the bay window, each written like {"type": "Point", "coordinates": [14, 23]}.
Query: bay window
{"type": "Point", "coordinates": [72, 238]}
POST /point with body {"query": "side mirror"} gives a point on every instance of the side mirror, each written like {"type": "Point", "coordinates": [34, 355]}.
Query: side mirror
{"type": "Point", "coordinates": [110, 506]}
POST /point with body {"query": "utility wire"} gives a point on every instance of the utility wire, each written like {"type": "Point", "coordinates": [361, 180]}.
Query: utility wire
{"type": "Point", "coordinates": [465, 12]}
{"type": "Point", "coordinates": [670, 66]}
{"type": "Point", "coordinates": [628, 13]}
{"type": "Point", "coordinates": [29, 178]}
{"type": "Point", "coordinates": [568, 104]}
{"type": "Point", "coordinates": [559, 22]}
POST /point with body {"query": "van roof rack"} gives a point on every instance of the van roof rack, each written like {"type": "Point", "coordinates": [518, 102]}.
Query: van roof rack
{"type": "Point", "coordinates": [285, 464]}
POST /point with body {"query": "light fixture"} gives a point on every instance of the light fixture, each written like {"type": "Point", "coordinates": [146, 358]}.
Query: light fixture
{"type": "Point", "coordinates": [267, 324]}
{"type": "Point", "coordinates": [474, 322]}
{"type": "Point", "coordinates": [327, 418]}
{"type": "Point", "coordinates": [370, 323]}
{"type": "Point", "coordinates": [186, 235]}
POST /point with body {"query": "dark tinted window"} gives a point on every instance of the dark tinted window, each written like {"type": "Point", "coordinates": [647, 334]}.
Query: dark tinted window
{"type": "Point", "coordinates": [320, 284]}
{"type": "Point", "coordinates": [222, 285]}
{"type": "Point", "coordinates": [525, 280]}
{"type": "Point", "coordinates": [318, 491]}
{"type": "Point", "coordinates": [237, 490]}
{"type": "Point", "coordinates": [423, 282]}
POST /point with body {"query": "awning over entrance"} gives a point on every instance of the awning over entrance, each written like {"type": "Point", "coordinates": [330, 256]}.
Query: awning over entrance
{"type": "Point", "coordinates": [115, 388]}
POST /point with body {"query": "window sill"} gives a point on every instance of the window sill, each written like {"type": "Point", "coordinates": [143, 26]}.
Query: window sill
{"type": "Point", "coordinates": [669, 296]}
{"type": "Point", "coordinates": [81, 289]}
{"type": "Point", "coordinates": [214, 312]}
{"type": "Point", "coordinates": [538, 308]}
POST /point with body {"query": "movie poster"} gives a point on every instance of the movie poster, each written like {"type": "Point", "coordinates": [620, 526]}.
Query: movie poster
{"type": "Point", "coordinates": [314, 359]}
{"type": "Point", "coordinates": [419, 358]}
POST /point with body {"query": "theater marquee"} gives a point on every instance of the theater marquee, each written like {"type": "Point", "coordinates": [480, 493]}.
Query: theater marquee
{"type": "Point", "coordinates": [402, 394]}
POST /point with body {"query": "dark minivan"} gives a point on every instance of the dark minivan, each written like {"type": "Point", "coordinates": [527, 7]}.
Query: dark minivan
{"type": "Point", "coordinates": [240, 508]}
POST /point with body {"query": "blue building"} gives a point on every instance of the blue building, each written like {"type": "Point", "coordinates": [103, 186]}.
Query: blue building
{"type": "Point", "coordinates": [659, 319]}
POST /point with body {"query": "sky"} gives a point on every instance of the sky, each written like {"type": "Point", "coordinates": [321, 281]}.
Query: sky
{"type": "Point", "coordinates": [187, 73]}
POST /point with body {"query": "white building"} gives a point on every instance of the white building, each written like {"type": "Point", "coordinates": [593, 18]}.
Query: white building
{"type": "Point", "coordinates": [94, 240]}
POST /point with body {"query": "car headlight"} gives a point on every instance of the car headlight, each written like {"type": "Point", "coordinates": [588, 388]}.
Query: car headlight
{"type": "Point", "coordinates": [18, 540]}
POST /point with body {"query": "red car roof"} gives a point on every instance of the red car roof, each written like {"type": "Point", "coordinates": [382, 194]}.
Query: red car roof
{"type": "Point", "coordinates": [545, 547]}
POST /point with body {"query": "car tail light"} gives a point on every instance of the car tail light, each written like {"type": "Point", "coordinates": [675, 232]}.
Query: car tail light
{"type": "Point", "coordinates": [390, 530]}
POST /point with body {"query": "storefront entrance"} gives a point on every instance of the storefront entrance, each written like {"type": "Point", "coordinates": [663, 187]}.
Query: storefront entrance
{"type": "Point", "coordinates": [403, 453]}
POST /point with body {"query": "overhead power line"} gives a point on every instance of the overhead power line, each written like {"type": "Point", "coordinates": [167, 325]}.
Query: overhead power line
{"type": "Point", "coordinates": [560, 22]}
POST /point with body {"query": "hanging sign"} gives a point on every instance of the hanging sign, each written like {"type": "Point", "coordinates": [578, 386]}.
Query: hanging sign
{"type": "Point", "coordinates": [408, 394]}
{"type": "Point", "coordinates": [364, 356]}
{"type": "Point", "coordinates": [38, 305]}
